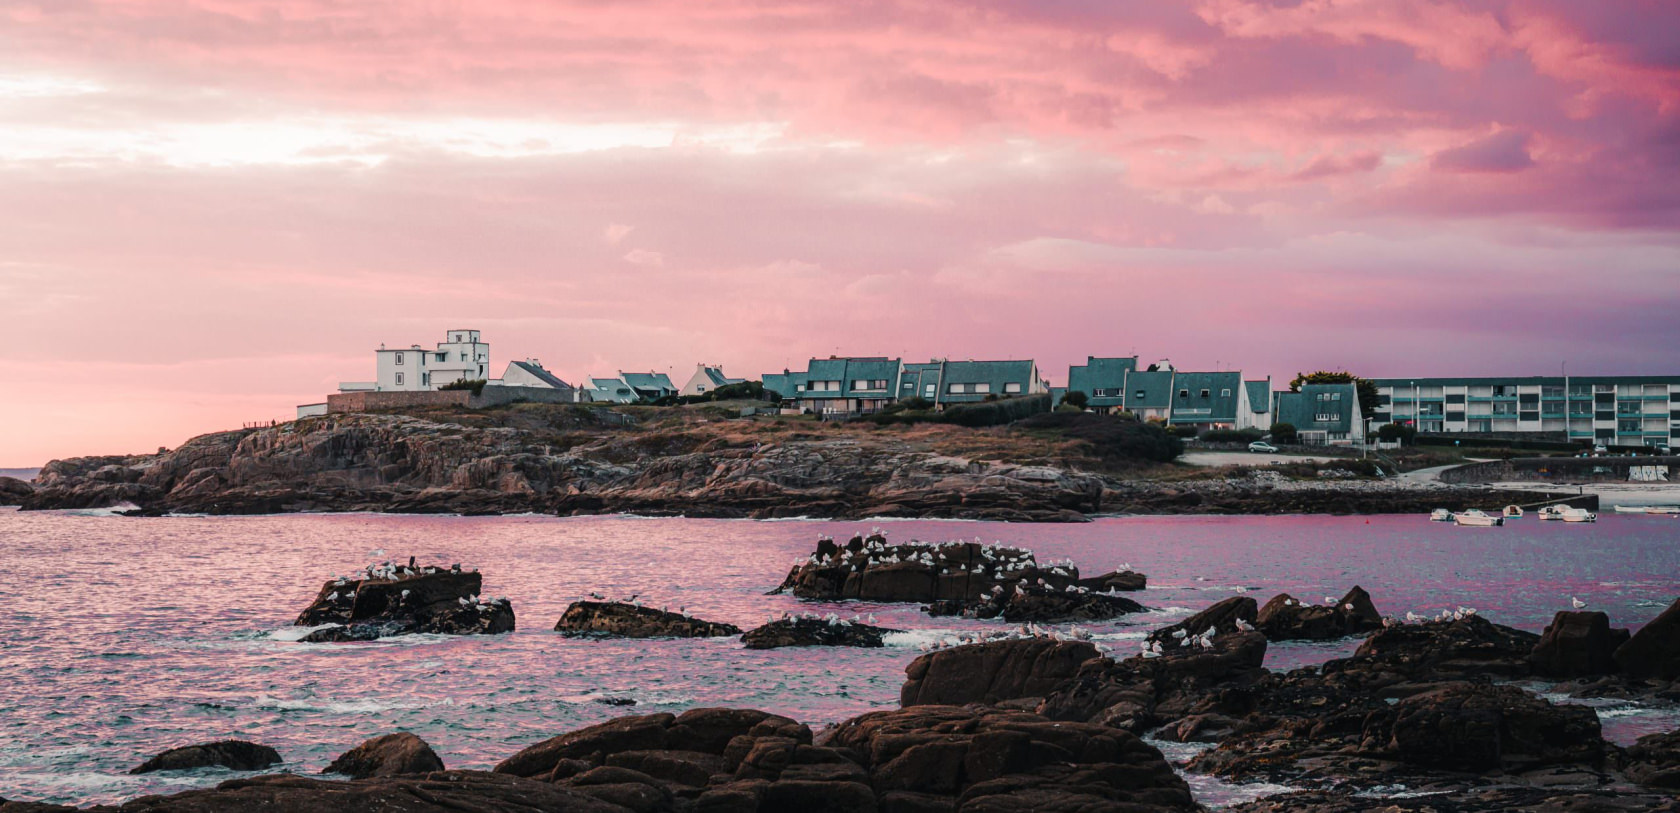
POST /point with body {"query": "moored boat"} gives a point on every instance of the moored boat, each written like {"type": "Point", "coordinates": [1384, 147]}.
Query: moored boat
{"type": "Point", "coordinates": [1552, 512]}
{"type": "Point", "coordinates": [1577, 515]}
{"type": "Point", "coordinates": [1646, 509]}
{"type": "Point", "coordinates": [1440, 515]}
{"type": "Point", "coordinates": [1477, 519]}
{"type": "Point", "coordinates": [1513, 511]}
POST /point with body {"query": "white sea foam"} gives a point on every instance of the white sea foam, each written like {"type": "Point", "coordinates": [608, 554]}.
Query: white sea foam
{"type": "Point", "coordinates": [341, 706]}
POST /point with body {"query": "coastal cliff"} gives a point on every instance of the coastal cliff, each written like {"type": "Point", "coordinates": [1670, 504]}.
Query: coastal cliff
{"type": "Point", "coordinates": [579, 460]}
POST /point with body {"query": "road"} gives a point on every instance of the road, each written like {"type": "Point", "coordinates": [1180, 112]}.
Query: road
{"type": "Point", "coordinates": [1249, 458]}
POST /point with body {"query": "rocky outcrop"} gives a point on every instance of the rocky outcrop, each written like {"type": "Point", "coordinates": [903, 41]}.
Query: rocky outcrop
{"type": "Point", "coordinates": [237, 755]}
{"type": "Point", "coordinates": [993, 672]}
{"type": "Point", "coordinates": [1116, 581]}
{"type": "Point", "coordinates": [1577, 644]}
{"type": "Point", "coordinates": [1285, 618]}
{"type": "Point", "coordinates": [1232, 615]}
{"type": "Point", "coordinates": [1464, 800]}
{"type": "Point", "coordinates": [14, 491]}
{"type": "Point", "coordinates": [390, 755]}
{"type": "Point", "coordinates": [810, 630]}
{"type": "Point", "coordinates": [871, 569]}
{"type": "Point", "coordinates": [392, 599]}
{"type": "Point", "coordinates": [1654, 651]}
{"type": "Point", "coordinates": [427, 793]}
{"type": "Point", "coordinates": [619, 619]}
{"type": "Point", "coordinates": [1465, 648]}
{"type": "Point", "coordinates": [1152, 690]}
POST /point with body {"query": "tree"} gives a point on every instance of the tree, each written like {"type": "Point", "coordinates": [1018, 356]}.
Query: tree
{"type": "Point", "coordinates": [1390, 432]}
{"type": "Point", "coordinates": [1283, 432]}
{"type": "Point", "coordinates": [1075, 398]}
{"type": "Point", "coordinates": [1365, 387]}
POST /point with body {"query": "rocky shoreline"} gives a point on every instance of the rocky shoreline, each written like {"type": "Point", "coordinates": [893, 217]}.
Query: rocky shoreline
{"type": "Point", "coordinates": [405, 464]}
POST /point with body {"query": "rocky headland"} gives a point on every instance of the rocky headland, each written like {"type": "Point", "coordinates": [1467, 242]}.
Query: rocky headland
{"type": "Point", "coordinates": [565, 459]}
{"type": "Point", "coordinates": [391, 599]}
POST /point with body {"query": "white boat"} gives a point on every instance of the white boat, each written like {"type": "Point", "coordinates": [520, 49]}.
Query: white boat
{"type": "Point", "coordinates": [1440, 515]}
{"type": "Point", "coordinates": [1552, 512]}
{"type": "Point", "coordinates": [1646, 509]}
{"type": "Point", "coordinates": [1578, 515]}
{"type": "Point", "coordinates": [1513, 511]}
{"type": "Point", "coordinates": [1477, 519]}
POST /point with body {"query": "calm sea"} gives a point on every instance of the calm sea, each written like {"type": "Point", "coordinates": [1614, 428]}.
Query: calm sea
{"type": "Point", "coordinates": [124, 637]}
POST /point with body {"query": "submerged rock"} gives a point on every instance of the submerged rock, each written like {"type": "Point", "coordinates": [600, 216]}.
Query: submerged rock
{"type": "Point", "coordinates": [1654, 651]}
{"type": "Point", "coordinates": [1022, 604]}
{"type": "Point", "coordinates": [814, 631]}
{"type": "Point", "coordinates": [396, 600]}
{"type": "Point", "coordinates": [1286, 618]}
{"type": "Point", "coordinates": [389, 755]}
{"type": "Point", "coordinates": [625, 620]}
{"type": "Point", "coordinates": [871, 569]}
{"type": "Point", "coordinates": [237, 755]}
{"type": "Point", "coordinates": [1577, 644]}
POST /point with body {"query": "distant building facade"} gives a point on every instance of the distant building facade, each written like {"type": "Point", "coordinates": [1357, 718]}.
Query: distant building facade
{"type": "Point", "coordinates": [707, 377]}
{"type": "Point", "coordinates": [1323, 414]}
{"type": "Point", "coordinates": [1611, 410]}
{"type": "Point", "coordinates": [965, 382]}
{"type": "Point", "coordinates": [460, 356]}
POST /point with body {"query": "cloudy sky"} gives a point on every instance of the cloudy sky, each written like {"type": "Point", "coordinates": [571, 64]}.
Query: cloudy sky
{"type": "Point", "coordinates": [212, 210]}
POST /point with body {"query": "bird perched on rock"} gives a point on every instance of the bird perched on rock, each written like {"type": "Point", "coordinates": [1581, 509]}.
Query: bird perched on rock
{"type": "Point", "coordinates": [1576, 603]}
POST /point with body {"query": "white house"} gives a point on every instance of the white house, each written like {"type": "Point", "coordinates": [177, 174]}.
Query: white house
{"type": "Point", "coordinates": [707, 377]}
{"type": "Point", "coordinates": [530, 373]}
{"type": "Point", "coordinates": [414, 368]}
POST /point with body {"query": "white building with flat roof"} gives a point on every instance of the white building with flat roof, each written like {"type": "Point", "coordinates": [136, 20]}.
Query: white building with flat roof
{"type": "Point", "coordinates": [460, 356]}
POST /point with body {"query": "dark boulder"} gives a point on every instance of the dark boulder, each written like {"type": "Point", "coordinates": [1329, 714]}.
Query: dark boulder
{"type": "Point", "coordinates": [389, 755]}
{"type": "Point", "coordinates": [993, 672]}
{"type": "Point", "coordinates": [14, 491]}
{"type": "Point", "coordinates": [1654, 651]}
{"type": "Point", "coordinates": [1149, 690]}
{"type": "Point", "coordinates": [710, 731]}
{"type": "Point", "coordinates": [1479, 727]}
{"type": "Point", "coordinates": [396, 600]}
{"type": "Point", "coordinates": [813, 631]}
{"type": "Point", "coordinates": [1235, 614]}
{"type": "Point", "coordinates": [625, 620]}
{"type": "Point", "coordinates": [1285, 618]}
{"type": "Point", "coordinates": [1577, 644]}
{"type": "Point", "coordinates": [1654, 761]}
{"type": "Point", "coordinates": [1505, 799]}
{"type": "Point", "coordinates": [1116, 581]}
{"type": "Point", "coordinates": [1023, 604]}
{"type": "Point", "coordinates": [237, 755]}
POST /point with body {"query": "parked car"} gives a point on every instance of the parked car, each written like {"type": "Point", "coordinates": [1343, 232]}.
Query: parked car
{"type": "Point", "coordinates": [1262, 446]}
{"type": "Point", "coordinates": [1599, 449]}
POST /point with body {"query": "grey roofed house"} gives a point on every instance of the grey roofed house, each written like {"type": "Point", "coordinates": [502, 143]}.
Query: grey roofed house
{"type": "Point", "coordinates": [787, 384]}
{"type": "Point", "coordinates": [1149, 390]}
{"type": "Point", "coordinates": [850, 384]}
{"type": "Point", "coordinates": [611, 390]}
{"type": "Point", "coordinates": [958, 382]}
{"type": "Point", "coordinates": [1322, 412]}
{"type": "Point", "coordinates": [649, 386]}
{"type": "Point", "coordinates": [1205, 398]}
{"type": "Point", "coordinates": [533, 374]}
{"type": "Point", "coordinates": [1103, 380]}
{"type": "Point", "coordinates": [1259, 395]}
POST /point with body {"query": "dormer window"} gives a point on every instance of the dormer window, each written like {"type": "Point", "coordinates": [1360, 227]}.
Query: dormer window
{"type": "Point", "coordinates": [1204, 393]}
{"type": "Point", "coordinates": [1184, 393]}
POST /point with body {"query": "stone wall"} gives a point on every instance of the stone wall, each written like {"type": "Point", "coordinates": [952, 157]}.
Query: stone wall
{"type": "Point", "coordinates": [492, 396]}
{"type": "Point", "coordinates": [1557, 469]}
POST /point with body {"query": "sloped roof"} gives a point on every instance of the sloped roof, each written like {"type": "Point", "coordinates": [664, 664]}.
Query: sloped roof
{"type": "Point", "coordinates": [611, 389]}
{"type": "Point", "coordinates": [1189, 405]}
{"type": "Point", "coordinates": [1149, 390]}
{"type": "Point", "coordinates": [1101, 374]}
{"type": "Point", "coordinates": [994, 374]}
{"type": "Point", "coordinates": [852, 369]}
{"type": "Point", "coordinates": [718, 379]}
{"type": "Point", "coordinates": [647, 381]}
{"type": "Point", "coordinates": [1259, 396]}
{"type": "Point", "coordinates": [1333, 401]}
{"type": "Point", "coordinates": [537, 371]}
{"type": "Point", "coordinates": [784, 383]}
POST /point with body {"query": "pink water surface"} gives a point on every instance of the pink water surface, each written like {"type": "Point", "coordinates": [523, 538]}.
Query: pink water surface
{"type": "Point", "coordinates": [127, 636]}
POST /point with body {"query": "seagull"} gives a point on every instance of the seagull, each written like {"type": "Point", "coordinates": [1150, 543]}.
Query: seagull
{"type": "Point", "coordinates": [1576, 603]}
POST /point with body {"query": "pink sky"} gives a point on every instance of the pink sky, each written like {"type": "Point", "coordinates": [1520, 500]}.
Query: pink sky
{"type": "Point", "coordinates": [215, 209]}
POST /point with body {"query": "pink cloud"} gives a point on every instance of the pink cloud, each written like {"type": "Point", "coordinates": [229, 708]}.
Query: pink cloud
{"type": "Point", "coordinates": [1504, 151]}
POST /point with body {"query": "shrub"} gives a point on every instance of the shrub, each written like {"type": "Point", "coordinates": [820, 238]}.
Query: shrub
{"type": "Point", "coordinates": [997, 413]}
{"type": "Point", "coordinates": [1114, 439]}
{"type": "Point", "coordinates": [476, 385]}
{"type": "Point", "coordinates": [1182, 431]}
{"type": "Point", "coordinates": [1075, 398]}
{"type": "Point", "coordinates": [1232, 435]}
{"type": "Point", "coordinates": [1390, 432]}
{"type": "Point", "coordinates": [1283, 433]}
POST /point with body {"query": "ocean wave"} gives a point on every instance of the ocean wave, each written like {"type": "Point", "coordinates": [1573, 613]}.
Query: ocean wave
{"type": "Point", "coordinates": [342, 706]}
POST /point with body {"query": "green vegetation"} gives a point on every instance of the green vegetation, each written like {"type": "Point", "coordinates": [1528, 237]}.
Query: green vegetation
{"type": "Point", "coordinates": [1367, 389]}
{"type": "Point", "coordinates": [1112, 439]}
{"type": "Point", "coordinates": [1284, 433]}
{"type": "Point", "coordinates": [1232, 435]}
{"type": "Point", "coordinates": [743, 391]}
{"type": "Point", "coordinates": [476, 385]}
{"type": "Point", "coordinates": [1391, 432]}
{"type": "Point", "coordinates": [985, 413]}
{"type": "Point", "coordinates": [1075, 398]}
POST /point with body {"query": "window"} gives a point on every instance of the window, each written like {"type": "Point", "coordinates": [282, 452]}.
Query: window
{"type": "Point", "coordinates": [1184, 393]}
{"type": "Point", "coordinates": [1204, 392]}
{"type": "Point", "coordinates": [1012, 387]}
{"type": "Point", "coordinates": [1139, 395]}
{"type": "Point", "coordinates": [931, 390]}
{"type": "Point", "coordinates": [399, 378]}
{"type": "Point", "coordinates": [1335, 396]}
{"type": "Point", "coordinates": [1324, 417]}
{"type": "Point", "coordinates": [1455, 398]}
{"type": "Point", "coordinates": [463, 356]}
{"type": "Point", "coordinates": [425, 379]}
{"type": "Point", "coordinates": [1224, 393]}
{"type": "Point", "coordinates": [399, 358]}
{"type": "Point", "coordinates": [443, 357]}
{"type": "Point", "coordinates": [981, 387]}
{"type": "Point", "coordinates": [954, 388]}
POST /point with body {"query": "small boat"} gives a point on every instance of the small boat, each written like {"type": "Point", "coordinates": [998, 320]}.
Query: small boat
{"type": "Point", "coordinates": [1477, 519]}
{"type": "Point", "coordinates": [1552, 512]}
{"type": "Point", "coordinates": [1646, 509]}
{"type": "Point", "coordinates": [1440, 515]}
{"type": "Point", "coordinates": [1578, 515]}
{"type": "Point", "coordinates": [1513, 511]}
